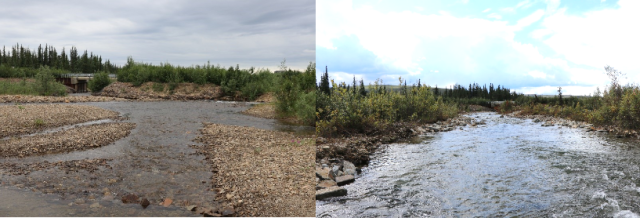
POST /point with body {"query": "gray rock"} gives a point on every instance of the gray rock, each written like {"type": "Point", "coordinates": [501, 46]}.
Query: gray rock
{"type": "Point", "coordinates": [537, 120]}
{"type": "Point", "coordinates": [228, 211]}
{"type": "Point", "coordinates": [334, 191]}
{"type": "Point", "coordinates": [348, 168]}
{"type": "Point", "coordinates": [343, 180]}
{"type": "Point", "coordinates": [334, 172]}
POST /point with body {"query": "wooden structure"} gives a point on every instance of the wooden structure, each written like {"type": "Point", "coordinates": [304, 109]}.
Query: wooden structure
{"type": "Point", "coordinates": [78, 81]}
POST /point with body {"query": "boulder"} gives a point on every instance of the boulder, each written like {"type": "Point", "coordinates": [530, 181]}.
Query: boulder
{"type": "Point", "coordinates": [334, 191]}
{"type": "Point", "coordinates": [348, 168]}
{"type": "Point", "coordinates": [346, 179]}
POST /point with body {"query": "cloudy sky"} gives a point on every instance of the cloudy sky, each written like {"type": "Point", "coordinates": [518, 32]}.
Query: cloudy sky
{"type": "Point", "coordinates": [532, 46]}
{"type": "Point", "coordinates": [226, 32]}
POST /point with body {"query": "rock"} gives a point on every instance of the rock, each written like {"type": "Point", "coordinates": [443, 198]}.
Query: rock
{"type": "Point", "coordinates": [322, 173]}
{"type": "Point", "coordinates": [228, 211]}
{"type": "Point", "coordinates": [326, 148]}
{"type": "Point", "coordinates": [334, 191]}
{"type": "Point", "coordinates": [326, 184]}
{"type": "Point", "coordinates": [167, 202]}
{"type": "Point", "coordinates": [348, 168]}
{"type": "Point", "coordinates": [130, 198]}
{"type": "Point", "coordinates": [144, 203]}
{"type": "Point", "coordinates": [334, 172]}
{"type": "Point", "coordinates": [343, 180]}
{"type": "Point", "coordinates": [79, 201]}
{"type": "Point", "coordinates": [501, 116]}
{"type": "Point", "coordinates": [95, 205]}
{"type": "Point", "coordinates": [191, 207]}
{"type": "Point", "coordinates": [537, 120]}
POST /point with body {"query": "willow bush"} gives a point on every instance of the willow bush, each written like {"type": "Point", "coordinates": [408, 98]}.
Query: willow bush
{"type": "Point", "coordinates": [346, 110]}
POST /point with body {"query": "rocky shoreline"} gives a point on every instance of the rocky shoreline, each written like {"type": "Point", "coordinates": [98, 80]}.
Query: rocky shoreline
{"type": "Point", "coordinates": [336, 158]}
{"type": "Point", "coordinates": [549, 121]}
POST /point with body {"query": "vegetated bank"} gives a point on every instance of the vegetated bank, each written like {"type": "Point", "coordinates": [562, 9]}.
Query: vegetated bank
{"type": "Point", "coordinates": [294, 90]}
{"type": "Point", "coordinates": [616, 110]}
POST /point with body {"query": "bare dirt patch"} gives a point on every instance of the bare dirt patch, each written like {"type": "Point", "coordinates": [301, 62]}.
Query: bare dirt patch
{"type": "Point", "coordinates": [55, 99]}
{"type": "Point", "coordinates": [151, 91]}
{"type": "Point", "coordinates": [25, 119]}
{"type": "Point", "coordinates": [64, 141]}
{"type": "Point", "coordinates": [260, 172]}
{"type": "Point", "coordinates": [267, 111]}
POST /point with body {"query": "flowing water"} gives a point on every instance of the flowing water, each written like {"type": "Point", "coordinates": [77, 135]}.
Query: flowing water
{"type": "Point", "coordinates": [155, 161]}
{"type": "Point", "coordinates": [508, 167]}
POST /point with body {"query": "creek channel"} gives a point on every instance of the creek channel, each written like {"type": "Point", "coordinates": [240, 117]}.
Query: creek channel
{"type": "Point", "coordinates": [508, 167]}
{"type": "Point", "coordinates": [154, 162]}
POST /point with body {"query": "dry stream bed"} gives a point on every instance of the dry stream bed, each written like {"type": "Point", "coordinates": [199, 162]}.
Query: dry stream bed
{"type": "Point", "coordinates": [145, 156]}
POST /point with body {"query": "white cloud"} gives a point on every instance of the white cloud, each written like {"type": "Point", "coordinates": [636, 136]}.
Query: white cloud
{"type": "Point", "coordinates": [552, 6]}
{"type": "Point", "coordinates": [538, 74]}
{"type": "Point", "coordinates": [597, 38]}
{"type": "Point", "coordinates": [486, 10]}
{"type": "Point", "coordinates": [338, 77]}
{"type": "Point", "coordinates": [528, 20]}
{"type": "Point", "coordinates": [494, 16]}
{"type": "Point", "coordinates": [553, 90]}
{"type": "Point", "coordinates": [470, 48]}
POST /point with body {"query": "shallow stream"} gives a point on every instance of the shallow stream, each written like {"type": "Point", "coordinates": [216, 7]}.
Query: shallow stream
{"type": "Point", "coordinates": [508, 167]}
{"type": "Point", "coordinates": [153, 162]}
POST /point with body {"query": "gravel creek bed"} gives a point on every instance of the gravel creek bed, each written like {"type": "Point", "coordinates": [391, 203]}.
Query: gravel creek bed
{"type": "Point", "coordinates": [261, 172]}
{"type": "Point", "coordinates": [25, 119]}
{"type": "Point", "coordinates": [157, 169]}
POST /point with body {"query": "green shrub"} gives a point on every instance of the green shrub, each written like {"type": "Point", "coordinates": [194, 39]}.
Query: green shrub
{"type": "Point", "coordinates": [46, 84]}
{"type": "Point", "coordinates": [99, 81]}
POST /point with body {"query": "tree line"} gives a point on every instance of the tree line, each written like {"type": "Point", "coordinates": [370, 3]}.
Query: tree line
{"type": "Point", "coordinates": [492, 93]}
{"type": "Point", "coordinates": [20, 57]}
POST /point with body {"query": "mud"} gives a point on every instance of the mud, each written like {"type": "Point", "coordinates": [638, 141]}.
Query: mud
{"type": "Point", "coordinates": [154, 162]}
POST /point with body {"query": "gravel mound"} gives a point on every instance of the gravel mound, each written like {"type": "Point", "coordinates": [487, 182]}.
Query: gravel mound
{"type": "Point", "coordinates": [26, 119]}
{"type": "Point", "coordinates": [184, 91]}
{"type": "Point", "coordinates": [260, 172]}
{"type": "Point", "coordinates": [267, 111]}
{"type": "Point", "coordinates": [64, 141]}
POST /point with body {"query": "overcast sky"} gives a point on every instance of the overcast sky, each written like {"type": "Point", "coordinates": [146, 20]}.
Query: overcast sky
{"type": "Point", "coordinates": [532, 46]}
{"type": "Point", "coordinates": [226, 32]}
